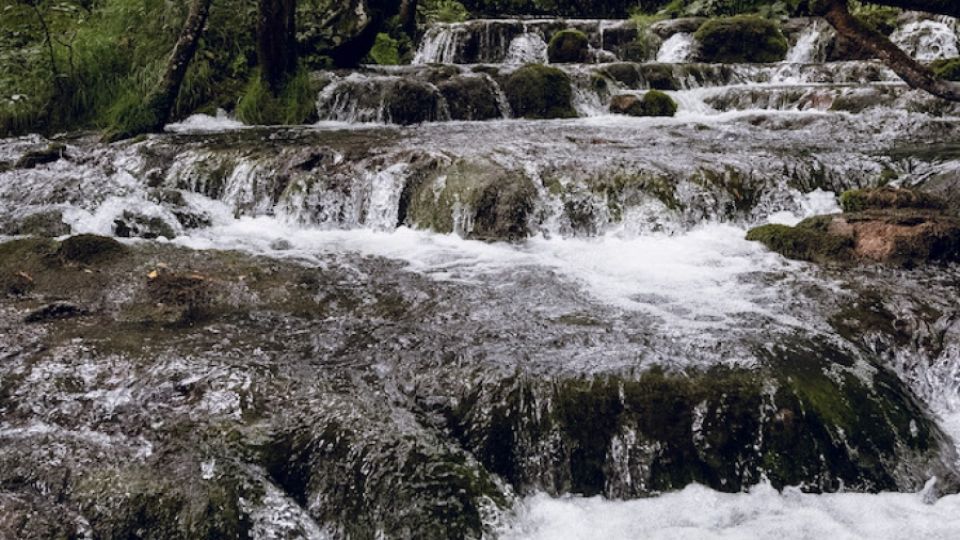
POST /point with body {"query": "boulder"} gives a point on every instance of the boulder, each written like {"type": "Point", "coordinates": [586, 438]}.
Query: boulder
{"type": "Point", "coordinates": [741, 39]}
{"type": "Point", "coordinates": [46, 223]}
{"type": "Point", "coordinates": [893, 227]}
{"type": "Point", "coordinates": [134, 225]}
{"type": "Point", "coordinates": [538, 91]}
{"type": "Point", "coordinates": [569, 47]}
{"type": "Point", "coordinates": [471, 98]}
{"type": "Point", "coordinates": [34, 158]}
{"type": "Point", "coordinates": [653, 103]}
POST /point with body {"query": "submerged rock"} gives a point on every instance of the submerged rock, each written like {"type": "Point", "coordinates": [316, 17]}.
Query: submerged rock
{"type": "Point", "coordinates": [471, 98]}
{"type": "Point", "coordinates": [48, 223]}
{"type": "Point", "coordinates": [55, 311]}
{"type": "Point", "coordinates": [133, 225]}
{"type": "Point", "coordinates": [90, 249]}
{"type": "Point", "coordinates": [33, 158]}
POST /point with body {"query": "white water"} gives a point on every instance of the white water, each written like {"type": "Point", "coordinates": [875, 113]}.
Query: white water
{"type": "Point", "coordinates": [697, 513]}
{"type": "Point", "coordinates": [527, 48]}
{"type": "Point", "coordinates": [927, 40]}
{"type": "Point", "coordinates": [677, 48]}
{"type": "Point", "coordinates": [810, 46]}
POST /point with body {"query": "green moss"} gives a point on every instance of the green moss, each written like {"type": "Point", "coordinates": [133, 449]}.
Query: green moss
{"type": "Point", "coordinates": [568, 47]}
{"type": "Point", "coordinates": [948, 69]}
{"type": "Point", "coordinates": [656, 103]}
{"type": "Point", "coordinates": [741, 39]}
{"type": "Point", "coordinates": [858, 200]}
{"type": "Point", "coordinates": [295, 103]}
{"type": "Point", "coordinates": [805, 242]}
{"type": "Point", "coordinates": [537, 91]}
{"type": "Point", "coordinates": [880, 19]}
{"type": "Point", "coordinates": [90, 249]}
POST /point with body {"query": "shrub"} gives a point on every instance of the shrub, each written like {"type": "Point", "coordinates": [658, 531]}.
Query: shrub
{"type": "Point", "coordinates": [296, 103]}
{"type": "Point", "coordinates": [744, 38]}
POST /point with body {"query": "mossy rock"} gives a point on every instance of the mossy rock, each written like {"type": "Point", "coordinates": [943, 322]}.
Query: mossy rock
{"type": "Point", "coordinates": [47, 223]}
{"type": "Point", "coordinates": [631, 436]}
{"type": "Point", "coordinates": [741, 39]}
{"type": "Point", "coordinates": [568, 47]}
{"type": "Point", "coordinates": [948, 69]}
{"type": "Point", "coordinates": [805, 242]}
{"type": "Point", "coordinates": [477, 199]}
{"type": "Point", "coordinates": [471, 98]}
{"type": "Point", "coordinates": [90, 249]}
{"type": "Point", "coordinates": [625, 73]}
{"type": "Point", "coordinates": [538, 91]}
{"type": "Point", "coordinates": [411, 102]}
{"type": "Point", "coordinates": [653, 103]}
{"type": "Point", "coordinates": [858, 200]}
{"type": "Point", "coordinates": [34, 158]}
{"type": "Point", "coordinates": [660, 76]}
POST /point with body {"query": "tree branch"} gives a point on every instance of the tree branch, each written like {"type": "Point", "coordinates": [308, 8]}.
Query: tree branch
{"type": "Point", "coordinates": [915, 74]}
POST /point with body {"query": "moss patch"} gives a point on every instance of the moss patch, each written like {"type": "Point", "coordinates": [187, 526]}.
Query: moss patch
{"type": "Point", "coordinates": [808, 241]}
{"type": "Point", "coordinates": [568, 47]}
{"type": "Point", "coordinates": [741, 39]}
{"type": "Point", "coordinates": [537, 91]}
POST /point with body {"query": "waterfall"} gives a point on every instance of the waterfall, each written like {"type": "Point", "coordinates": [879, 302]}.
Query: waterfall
{"type": "Point", "coordinates": [927, 40]}
{"type": "Point", "coordinates": [526, 48]}
{"type": "Point", "coordinates": [810, 46]}
{"type": "Point", "coordinates": [441, 44]}
{"type": "Point", "coordinates": [678, 48]}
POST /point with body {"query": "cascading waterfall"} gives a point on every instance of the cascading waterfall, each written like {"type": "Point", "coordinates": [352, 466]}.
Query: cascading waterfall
{"type": "Point", "coordinates": [677, 48]}
{"type": "Point", "coordinates": [811, 45]}
{"type": "Point", "coordinates": [477, 319]}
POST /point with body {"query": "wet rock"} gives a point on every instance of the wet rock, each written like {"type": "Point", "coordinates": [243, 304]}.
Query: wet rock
{"type": "Point", "coordinates": [55, 311]}
{"type": "Point", "coordinates": [744, 38]}
{"type": "Point", "coordinates": [889, 226]}
{"type": "Point", "coordinates": [537, 91]}
{"type": "Point", "coordinates": [90, 249]}
{"type": "Point", "coordinates": [625, 73]}
{"type": "Point", "coordinates": [652, 103]}
{"type": "Point", "coordinates": [660, 76]}
{"type": "Point", "coordinates": [471, 98]}
{"type": "Point", "coordinates": [133, 225]}
{"type": "Point", "coordinates": [569, 47]}
{"type": "Point", "coordinates": [16, 283]}
{"type": "Point", "coordinates": [53, 152]}
{"type": "Point", "coordinates": [176, 202]}
{"type": "Point", "coordinates": [179, 297]}
{"type": "Point", "coordinates": [409, 102]}
{"type": "Point", "coordinates": [477, 200]}
{"type": "Point", "coordinates": [631, 436]}
{"type": "Point", "coordinates": [844, 49]}
{"type": "Point", "coordinates": [48, 223]}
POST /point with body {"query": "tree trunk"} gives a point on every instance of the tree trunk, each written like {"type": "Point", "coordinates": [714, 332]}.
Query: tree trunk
{"type": "Point", "coordinates": [163, 99]}
{"type": "Point", "coordinates": [912, 72]}
{"type": "Point", "coordinates": [276, 41]}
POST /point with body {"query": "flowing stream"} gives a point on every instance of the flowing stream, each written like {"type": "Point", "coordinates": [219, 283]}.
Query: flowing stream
{"type": "Point", "coordinates": [474, 269]}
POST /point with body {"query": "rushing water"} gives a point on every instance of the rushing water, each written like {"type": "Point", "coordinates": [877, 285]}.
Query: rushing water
{"type": "Point", "coordinates": [620, 248]}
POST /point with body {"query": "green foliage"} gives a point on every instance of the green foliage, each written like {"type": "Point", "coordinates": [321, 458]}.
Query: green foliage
{"type": "Point", "coordinates": [386, 51]}
{"type": "Point", "coordinates": [441, 11]}
{"type": "Point", "coordinates": [744, 38]}
{"type": "Point", "coordinates": [295, 103]}
{"type": "Point", "coordinates": [882, 19]}
{"type": "Point", "coordinates": [774, 9]}
{"type": "Point", "coordinates": [568, 46]}
{"type": "Point", "coordinates": [947, 69]}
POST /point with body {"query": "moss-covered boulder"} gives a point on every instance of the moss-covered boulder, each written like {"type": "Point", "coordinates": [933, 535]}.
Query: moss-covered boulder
{"type": "Point", "coordinates": [825, 427]}
{"type": "Point", "coordinates": [479, 200]}
{"type": "Point", "coordinates": [660, 76]}
{"type": "Point", "coordinates": [471, 98]}
{"type": "Point", "coordinates": [894, 227]}
{"type": "Point", "coordinates": [652, 103]}
{"type": "Point", "coordinates": [537, 91]}
{"type": "Point", "coordinates": [745, 38]}
{"type": "Point", "coordinates": [408, 101]}
{"type": "Point", "coordinates": [568, 47]}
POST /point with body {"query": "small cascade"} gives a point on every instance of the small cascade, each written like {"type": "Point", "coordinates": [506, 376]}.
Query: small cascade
{"type": "Point", "coordinates": [440, 45]}
{"type": "Point", "coordinates": [928, 40]}
{"type": "Point", "coordinates": [678, 48]}
{"type": "Point", "coordinates": [811, 46]}
{"type": "Point", "coordinates": [527, 48]}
